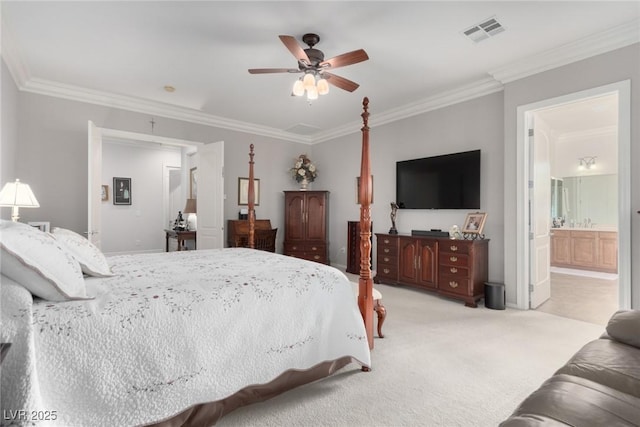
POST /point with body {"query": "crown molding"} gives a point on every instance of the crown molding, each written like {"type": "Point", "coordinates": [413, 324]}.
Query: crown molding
{"type": "Point", "coordinates": [476, 89]}
{"type": "Point", "coordinates": [91, 96]}
{"type": "Point", "coordinates": [588, 133]}
{"type": "Point", "coordinates": [595, 44]}
{"type": "Point", "coordinates": [17, 68]}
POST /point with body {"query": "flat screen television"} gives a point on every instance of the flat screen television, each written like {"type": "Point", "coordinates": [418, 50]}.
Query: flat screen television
{"type": "Point", "coordinates": [450, 181]}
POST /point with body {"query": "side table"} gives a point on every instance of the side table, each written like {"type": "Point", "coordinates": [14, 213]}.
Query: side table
{"type": "Point", "coordinates": [180, 236]}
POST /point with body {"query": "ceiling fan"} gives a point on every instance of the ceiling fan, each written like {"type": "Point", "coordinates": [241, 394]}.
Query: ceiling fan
{"type": "Point", "coordinates": [311, 62]}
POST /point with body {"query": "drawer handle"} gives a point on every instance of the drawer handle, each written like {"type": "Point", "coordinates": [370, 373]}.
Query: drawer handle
{"type": "Point", "coordinates": [386, 259]}
{"type": "Point", "coordinates": [316, 257]}
{"type": "Point", "coordinates": [294, 247]}
{"type": "Point", "coordinates": [386, 241]}
{"type": "Point", "coordinates": [454, 248]}
{"type": "Point", "coordinates": [453, 270]}
{"type": "Point", "coordinates": [314, 248]}
{"type": "Point", "coordinates": [386, 271]}
{"type": "Point", "coordinates": [453, 284]}
{"type": "Point", "coordinates": [386, 250]}
{"type": "Point", "coordinates": [453, 258]}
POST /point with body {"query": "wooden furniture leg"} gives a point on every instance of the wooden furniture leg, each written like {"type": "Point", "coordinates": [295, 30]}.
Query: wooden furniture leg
{"type": "Point", "coordinates": [382, 314]}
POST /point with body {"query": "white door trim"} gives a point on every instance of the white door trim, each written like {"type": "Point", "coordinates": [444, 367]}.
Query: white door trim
{"type": "Point", "coordinates": [623, 89]}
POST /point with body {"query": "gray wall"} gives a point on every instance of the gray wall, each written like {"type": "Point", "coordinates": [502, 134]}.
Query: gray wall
{"type": "Point", "coordinates": [52, 157]}
{"type": "Point", "coordinates": [470, 125]}
{"type": "Point", "coordinates": [612, 67]}
{"type": "Point", "coordinates": [9, 135]}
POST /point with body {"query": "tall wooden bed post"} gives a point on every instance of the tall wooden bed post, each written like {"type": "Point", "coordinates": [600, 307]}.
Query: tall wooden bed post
{"type": "Point", "coordinates": [251, 201]}
{"type": "Point", "coordinates": [365, 284]}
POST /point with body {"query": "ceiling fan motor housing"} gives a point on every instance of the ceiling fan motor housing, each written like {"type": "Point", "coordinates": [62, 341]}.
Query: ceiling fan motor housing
{"type": "Point", "coordinates": [315, 56]}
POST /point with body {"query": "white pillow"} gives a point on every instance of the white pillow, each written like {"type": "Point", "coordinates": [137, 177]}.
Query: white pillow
{"type": "Point", "coordinates": [38, 262]}
{"type": "Point", "coordinates": [91, 259]}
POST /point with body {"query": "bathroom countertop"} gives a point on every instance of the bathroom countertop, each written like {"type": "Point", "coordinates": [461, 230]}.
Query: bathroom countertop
{"type": "Point", "coordinates": [596, 228]}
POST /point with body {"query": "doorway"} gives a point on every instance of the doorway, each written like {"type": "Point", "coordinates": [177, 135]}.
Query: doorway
{"type": "Point", "coordinates": [620, 134]}
{"type": "Point", "coordinates": [210, 209]}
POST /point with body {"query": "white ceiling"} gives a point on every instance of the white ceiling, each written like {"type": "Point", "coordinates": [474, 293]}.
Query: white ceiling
{"type": "Point", "coordinates": [124, 53]}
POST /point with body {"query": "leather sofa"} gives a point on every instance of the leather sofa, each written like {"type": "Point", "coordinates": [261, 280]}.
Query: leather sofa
{"type": "Point", "coordinates": [598, 386]}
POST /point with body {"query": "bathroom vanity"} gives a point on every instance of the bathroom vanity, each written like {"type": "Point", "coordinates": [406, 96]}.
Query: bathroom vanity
{"type": "Point", "coordinates": [585, 248]}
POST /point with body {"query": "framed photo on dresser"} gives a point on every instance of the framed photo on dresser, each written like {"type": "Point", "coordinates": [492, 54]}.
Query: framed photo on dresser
{"type": "Point", "coordinates": [474, 223]}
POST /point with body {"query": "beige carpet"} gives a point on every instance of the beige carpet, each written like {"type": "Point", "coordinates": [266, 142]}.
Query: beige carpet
{"type": "Point", "coordinates": [440, 364]}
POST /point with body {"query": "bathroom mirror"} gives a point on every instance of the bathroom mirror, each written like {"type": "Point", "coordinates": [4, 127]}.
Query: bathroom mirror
{"type": "Point", "coordinates": [593, 197]}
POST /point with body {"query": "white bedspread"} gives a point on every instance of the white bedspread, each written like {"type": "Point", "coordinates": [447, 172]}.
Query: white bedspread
{"type": "Point", "coordinates": [170, 331]}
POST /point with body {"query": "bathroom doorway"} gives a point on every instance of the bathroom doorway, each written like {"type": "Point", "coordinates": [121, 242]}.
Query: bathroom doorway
{"type": "Point", "coordinates": [589, 144]}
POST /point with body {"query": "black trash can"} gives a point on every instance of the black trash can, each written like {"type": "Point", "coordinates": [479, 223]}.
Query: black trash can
{"type": "Point", "coordinates": [494, 295]}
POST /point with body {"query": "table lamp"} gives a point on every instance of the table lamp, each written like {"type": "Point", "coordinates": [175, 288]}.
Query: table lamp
{"type": "Point", "coordinates": [17, 195]}
{"type": "Point", "coordinates": [191, 208]}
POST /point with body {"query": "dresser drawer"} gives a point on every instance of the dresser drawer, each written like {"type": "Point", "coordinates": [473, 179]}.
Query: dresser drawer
{"type": "Point", "coordinates": [387, 250]}
{"type": "Point", "coordinates": [389, 271]}
{"type": "Point", "coordinates": [454, 284]}
{"type": "Point", "coordinates": [455, 247]}
{"type": "Point", "coordinates": [387, 259]}
{"type": "Point", "coordinates": [457, 271]}
{"type": "Point", "coordinates": [291, 247]}
{"type": "Point", "coordinates": [387, 241]}
{"type": "Point", "coordinates": [316, 248]}
{"type": "Point", "coordinates": [453, 259]}
{"type": "Point", "coordinates": [317, 257]}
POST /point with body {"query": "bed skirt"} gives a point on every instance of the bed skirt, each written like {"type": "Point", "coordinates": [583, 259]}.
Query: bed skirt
{"type": "Point", "coordinates": [208, 414]}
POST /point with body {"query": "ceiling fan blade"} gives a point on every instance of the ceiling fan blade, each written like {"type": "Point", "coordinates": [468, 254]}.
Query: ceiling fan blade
{"type": "Point", "coordinates": [345, 59]}
{"type": "Point", "coordinates": [273, 70]}
{"type": "Point", "coordinates": [297, 51]}
{"type": "Point", "coordinates": [340, 82]}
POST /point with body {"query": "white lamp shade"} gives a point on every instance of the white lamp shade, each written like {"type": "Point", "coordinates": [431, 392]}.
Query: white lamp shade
{"type": "Point", "coordinates": [18, 194]}
{"type": "Point", "coordinates": [191, 206]}
{"type": "Point", "coordinates": [298, 88]}
{"type": "Point", "coordinates": [312, 93]}
{"type": "Point", "coordinates": [309, 81]}
{"type": "Point", "coordinates": [323, 87]}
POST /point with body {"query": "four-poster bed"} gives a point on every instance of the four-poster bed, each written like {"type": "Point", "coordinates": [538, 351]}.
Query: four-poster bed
{"type": "Point", "coordinates": [172, 339]}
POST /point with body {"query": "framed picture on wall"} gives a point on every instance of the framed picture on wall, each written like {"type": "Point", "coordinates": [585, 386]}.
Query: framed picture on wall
{"type": "Point", "coordinates": [243, 191]}
{"type": "Point", "coordinates": [105, 193]}
{"type": "Point", "coordinates": [121, 191]}
{"type": "Point", "coordinates": [193, 183]}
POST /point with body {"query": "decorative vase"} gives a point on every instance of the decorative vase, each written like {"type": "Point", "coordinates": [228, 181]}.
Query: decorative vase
{"type": "Point", "coordinates": [303, 184]}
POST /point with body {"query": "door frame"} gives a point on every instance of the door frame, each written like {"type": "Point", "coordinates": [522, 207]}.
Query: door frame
{"type": "Point", "coordinates": [623, 90]}
{"type": "Point", "coordinates": [95, 152]}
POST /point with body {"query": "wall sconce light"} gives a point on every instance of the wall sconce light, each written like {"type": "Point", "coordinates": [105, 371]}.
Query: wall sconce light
{"type": "Point", "coordinates": [586, 163]}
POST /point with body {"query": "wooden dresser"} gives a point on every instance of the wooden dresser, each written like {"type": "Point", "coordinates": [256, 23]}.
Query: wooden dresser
{"type": "Point", "coordinates": [306, 220]}
{"type": "Point", "coordinates": [453, 268]}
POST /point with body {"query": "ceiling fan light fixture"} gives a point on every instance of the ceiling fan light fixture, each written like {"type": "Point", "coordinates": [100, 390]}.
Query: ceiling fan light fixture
{"type": "Point", "coordinates": [309, 81]}
{"type": "Point", "coordinates": [323, 87]}
{"type": "Point", "coordinates": [312, 93]}
{"type": "Point", "coordinates": [298, 88]}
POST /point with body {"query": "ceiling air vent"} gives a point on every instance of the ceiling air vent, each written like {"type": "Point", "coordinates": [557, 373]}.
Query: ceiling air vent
{"type": "Point", "coordinates": [482, 31]}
